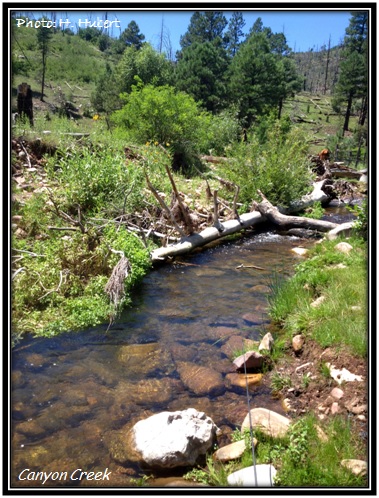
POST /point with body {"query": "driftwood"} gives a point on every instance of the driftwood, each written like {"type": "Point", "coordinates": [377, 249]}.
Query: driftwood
{"type": "Point", "coordinates": [317, 195]}
{"type": "Point", "coordinates": [214, 159]}
{"type": "Point", "coordinates": [272, 213]}
{"type": "Point", "coordinates": [163, 204]}
{"type": "Point", "coordinates": [185, 213]}
{"type": "Point", "coordinates": [345, 172]}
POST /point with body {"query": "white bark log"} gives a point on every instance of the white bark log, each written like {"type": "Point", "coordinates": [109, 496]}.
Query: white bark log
{"type": "Point", "coordinates": [317, 195]}
{"type": "Point", "coordinates": [210, 234]}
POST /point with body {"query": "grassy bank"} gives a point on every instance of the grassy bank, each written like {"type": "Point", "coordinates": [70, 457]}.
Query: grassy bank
{"type": "Point", "coordinates": [339, 281]}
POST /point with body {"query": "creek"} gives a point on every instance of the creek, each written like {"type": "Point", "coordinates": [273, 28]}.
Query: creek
{"type": "Point", "coordinates": [72, 394]}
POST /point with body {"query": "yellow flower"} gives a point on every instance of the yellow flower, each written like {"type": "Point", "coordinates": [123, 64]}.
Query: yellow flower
{"type": "Point", "coordinates": [167, 144]}
{"type": "Point", "coordinates": [155, 143]}
{"type": "Point", "coordinates": [147, 143]}
{"type": "Point", "coordinates": [96, 117]}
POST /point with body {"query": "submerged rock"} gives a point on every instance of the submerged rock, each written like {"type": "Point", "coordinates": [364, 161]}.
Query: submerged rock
{"type": "Point", "coordinates": [240, 380]}
{"type": "Point", "coordinates": [201, 380]}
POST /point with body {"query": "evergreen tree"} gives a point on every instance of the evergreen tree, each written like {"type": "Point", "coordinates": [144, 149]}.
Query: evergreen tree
{"type": "Point", "coordinates": [252, 78]}
{"type": "Point", "coordinates": [257, 26]}
{"type": "Point", "coordinates": [352, 82]}
{"type": "Point", "coordinates": [105, 97]}
{"type": "Point", "coordinates": [146, 63]}
{"type": "Point", "coordinates": [234, 36]}
{"type": "Point", "coordinates": [43, 39]}
{"type": "Point", "coordinates": [261, 75]}
{"type": "Point", "coordinates": [131, 36]}
{"type": "Point", "coordinates": [203, 27]}
{"type": "Point", "coordinates": [200, 72]}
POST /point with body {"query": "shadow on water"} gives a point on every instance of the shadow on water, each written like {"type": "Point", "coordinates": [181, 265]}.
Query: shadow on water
{"type": "Point", "coordinates": [74, 393]}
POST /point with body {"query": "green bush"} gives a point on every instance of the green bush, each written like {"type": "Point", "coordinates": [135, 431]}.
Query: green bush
{"type": "Point", "coordinates": [88, 176]}
{"type": "Point", "coordinates": [219, 134]}
{"type": "Point", "coordinates": [164, 116]}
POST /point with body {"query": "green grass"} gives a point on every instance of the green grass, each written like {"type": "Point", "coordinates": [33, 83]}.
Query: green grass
{"type": "Point", "coordinates": [300, 458]}
{"type": "Point", "coordinates": [340, 320]}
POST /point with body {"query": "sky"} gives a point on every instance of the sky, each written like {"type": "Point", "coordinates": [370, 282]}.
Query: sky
{"type": "Point", "coordinates": [303, 28]}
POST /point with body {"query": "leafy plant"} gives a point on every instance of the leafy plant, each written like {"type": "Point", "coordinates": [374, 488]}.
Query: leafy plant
{"type": "Point", "coordinates": [280, 381]}
{"type": "Point", "coordinates": [163, 115]}
{"type": "Point", "coordinates": [361, 223]}
{"type": "Point", "coordinates": [214, 474]}
{"type": "Point", "coordinates": [316, 211]}
{"type": "Point", "coordinates": [277, 167]}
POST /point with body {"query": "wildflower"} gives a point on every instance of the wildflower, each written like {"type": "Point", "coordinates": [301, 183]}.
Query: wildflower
{"type": "Point", "coordinates": [96, 117]}
{"type": "Point", "coordinates": [167, 144]}
{"type": "Point", "coordinates": [147, 143]}
{"type": "Point", "coordinates": [155, 143]}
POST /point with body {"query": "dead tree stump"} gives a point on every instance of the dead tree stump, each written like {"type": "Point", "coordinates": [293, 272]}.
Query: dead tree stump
{"type": "Point", "coordinates": [25, 102]}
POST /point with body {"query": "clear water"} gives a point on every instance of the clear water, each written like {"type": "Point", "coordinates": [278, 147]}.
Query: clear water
{"type": "Point", "coordinates": [74, 394]}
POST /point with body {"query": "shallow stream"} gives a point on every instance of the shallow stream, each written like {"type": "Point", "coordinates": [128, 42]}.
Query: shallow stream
{"type": "Point", "coordinates": [71, 395]}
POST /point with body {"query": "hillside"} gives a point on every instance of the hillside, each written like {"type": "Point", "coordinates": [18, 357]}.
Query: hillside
{"type": "Point", "coordinates": [74, 65]}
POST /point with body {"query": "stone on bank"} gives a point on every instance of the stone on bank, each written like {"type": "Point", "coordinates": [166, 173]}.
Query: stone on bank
{"type": "Point", "coordinates": [173, 439]}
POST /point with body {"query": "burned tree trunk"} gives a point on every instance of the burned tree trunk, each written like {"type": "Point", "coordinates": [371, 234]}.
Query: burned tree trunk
{"type": "Point", "coordinates": [25, 102]}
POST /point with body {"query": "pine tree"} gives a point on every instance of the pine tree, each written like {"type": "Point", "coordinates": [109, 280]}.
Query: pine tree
{"type": "Point", "coordinates": [131, 36]}
{"type": "Point", "coordinates": [43, 39]}
{"type": "Point", "coordinates": [262, 74]}
{"type": "Point", "coordinates": [352, 82]}
{"type": "Point", "coordinates": [204, 26]}
{"type": "Point", "coordinates": [200, 72]}
{"type": "Point", "coordinates": [234, 36]}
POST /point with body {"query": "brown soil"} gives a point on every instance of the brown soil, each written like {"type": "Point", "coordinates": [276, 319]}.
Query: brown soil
{"type": "Point", "coordinates": [315, 395]}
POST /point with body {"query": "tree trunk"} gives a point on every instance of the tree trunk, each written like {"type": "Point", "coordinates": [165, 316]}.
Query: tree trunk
{"type": "Point", "coordinates": [280, 108]}
{"type": "Point", "coordinates": [273, 214]}
{"type": "Point", "coordinates": [25, 102]}
{"type": "Point", "coordinates": [210, 234]}
{"type": "Point", "coordinates": [348, 111]}
{"type": "Point", "coordinates": [362, 116]}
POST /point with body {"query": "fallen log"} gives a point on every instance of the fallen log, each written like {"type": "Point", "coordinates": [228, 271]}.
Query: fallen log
{"type": "Point", "coordinates": [344, 172]}
{"type": "Point", "coordinates": [187, 244]}
{"type": "Point", "coordinates": [214, 159]}
{"type": "Point", "coordinates": [317, 195]}
{"type": "Point", "coordinates": [210, 234]}
{"type": "Point", "coordinates": [272, 214]}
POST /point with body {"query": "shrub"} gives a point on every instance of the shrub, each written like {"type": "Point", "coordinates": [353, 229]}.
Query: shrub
{"type": "Point", "coordinates": [163, 115]}
{"type": "Point", "coordinates": [278, 167]}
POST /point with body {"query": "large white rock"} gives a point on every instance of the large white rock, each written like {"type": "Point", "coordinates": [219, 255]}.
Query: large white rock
{"type": "Point", "coordinates": [173, 439]}
{"type": "Point", "coordinates": [246, 477]}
